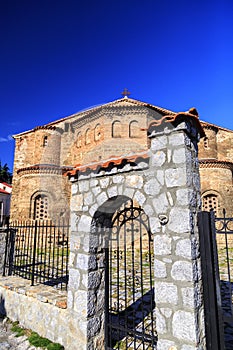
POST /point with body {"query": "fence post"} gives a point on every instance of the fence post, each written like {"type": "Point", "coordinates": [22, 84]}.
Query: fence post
{"type": "Point", "coordinates": [34, 255]}
{"type": "Point", "coordinates": [211, 282]}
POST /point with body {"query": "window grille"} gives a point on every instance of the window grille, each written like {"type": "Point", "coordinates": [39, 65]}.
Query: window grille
{"type": "Point", "coordinates": [210, 202]}
{"type": "Point", "coordinates": [41, 207]}
{"type": "Point", "coordinates": [45, 141]}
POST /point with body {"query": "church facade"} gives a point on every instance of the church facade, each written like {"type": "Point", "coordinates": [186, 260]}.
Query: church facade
{"type": "Point", "coordinates": [45, 154]}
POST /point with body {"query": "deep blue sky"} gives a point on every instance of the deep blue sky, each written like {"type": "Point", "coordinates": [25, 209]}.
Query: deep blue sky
{"type": "Point", "coordinates": [60, 56]}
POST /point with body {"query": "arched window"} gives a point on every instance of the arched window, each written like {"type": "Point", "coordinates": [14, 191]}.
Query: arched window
{"type": "Point", "coordinates": [79, 140]}
{"type": "Point", "coordinates": [116, 128]}
{"type": "Point", "coordinates": [45, 141]}
{"type": "Point", "coordinates": [210, 202]}
{"type": "Point", "coordinates": [97, 132]}
{"type": "Point", "coordinates": [133, 129]}
{"type": "Point", "coordinates": [41, 206]}
{"type": "Point", "coordinates": [88, 137]}
{"type": "Point", "coordinates": [206, 142]}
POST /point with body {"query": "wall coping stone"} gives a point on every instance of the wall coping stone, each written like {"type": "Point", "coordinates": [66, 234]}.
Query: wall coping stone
{"type": "Point", "coordinates": [41, 292]}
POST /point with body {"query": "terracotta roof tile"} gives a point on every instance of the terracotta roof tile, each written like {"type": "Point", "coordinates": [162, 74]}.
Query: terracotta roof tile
{"type": "Point", "coordinates": [108, 163]}
{"type": "Point", "coordinates": [3, 191]}
{"type": "Point", "coordinates": [191, 114]}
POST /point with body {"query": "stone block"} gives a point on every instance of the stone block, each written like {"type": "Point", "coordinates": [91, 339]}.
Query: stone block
{"type": "Point", "coordinates": [152, 187]}
{"type": "Point", "coordinates": [179, 156]}
{"type": "Point", "coordinates": [134, 181]}
{"type": "Point", "coordinates": [179, 220]}
{"type": "Point", "coordinates": [159, 269]}
{"type": "Point", "coordinates": [102, 197]}
{"type": "Point", "coordinates": [183, 248]}
{"type": "Point", "coordinates": [84, 186]}
{"type": "Point", "coordinates": [74, 279]}
{"type": "Point", "coordinates": [80, 302]}
{"type": "Point", "coordinates": [84, 224]}
{"type": "Point", "coordinates": [158, 159]}
{"type": "Point", "coordinates": [166, 292]}
{"type": "Point", "coordinates": [112, 191]}
{"type": "Point", "coordinates": [82, 261]}
{"type": "Point", "coordinates": [188, 297]}
{"type": "Point", "coordinates": [158, 143]}
{"type": "Point", "coordinates": [94, 279]}
{"type": "Point", "coordinates": [104, 182]}
{"type": "Point", "coordinates": [155, 225]}
{"type": "Point", "coordinates": [183, 326]}
{"type": "Point", "coordinates": [93, 327]}
{"type": "Point", "coordinates": [76, 203]}
{"type": "Point", "coordinates": [176, 139]}
{"type": "Point", "coordinates": [140, 198]}
{"type": "Point", "coordinates": [160, 322]}
{"type": "Point", "coordinates": [175, 177]}
{"type": "Point", "coordinates": [160, 176]}
{"type": "Point", "coordinates": [160, 203]}
{"type": "Point", "coordinates": [118, 179]}
{"type": "Point", "coordinates": [162, 245]}
{"type": "Point", "coordinates": [182, 271]}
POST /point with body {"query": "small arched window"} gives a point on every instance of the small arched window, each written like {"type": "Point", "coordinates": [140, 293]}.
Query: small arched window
{"type": "Point", "coordinates": [97, 132]}
{"type": "Point", "coordinates": [88, 137]}
{"type": "Point", "coordinates": [41, 207]}
{"type": "Point", "coordinates": [79, 140]}
{"type": "Point", "coordinates": [116, 129]}
{"type": "Point", "coordinates": [133, 129]}
{"type": "Point", "coordinates": [206, 142]}
{"type": "Point", "coordinates": [45, 141]}
{"type": "Point", "coordinates": [210, 202]}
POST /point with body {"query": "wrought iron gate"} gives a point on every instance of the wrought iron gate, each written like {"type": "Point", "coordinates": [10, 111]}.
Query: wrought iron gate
{"type": "Point", "coordinates": [129, 282]}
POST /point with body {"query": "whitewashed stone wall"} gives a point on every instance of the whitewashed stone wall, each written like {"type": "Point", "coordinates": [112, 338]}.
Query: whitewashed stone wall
{"type": "Point", "coordinates": [167, 188]}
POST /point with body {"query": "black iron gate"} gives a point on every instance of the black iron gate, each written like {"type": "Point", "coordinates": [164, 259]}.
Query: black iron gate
{"type": "Point", "coordinates": [129, 282]}
{"type": "Point", "coordinates": [211, 282]}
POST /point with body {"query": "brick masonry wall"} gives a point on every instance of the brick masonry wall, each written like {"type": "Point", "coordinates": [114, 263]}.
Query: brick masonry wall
{"type": "Point", "coordinates": [71, 142]}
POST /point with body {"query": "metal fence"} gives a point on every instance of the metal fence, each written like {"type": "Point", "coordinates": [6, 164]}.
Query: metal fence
{"type": "Point", "coordinates": [38, 251]}
{"type": "Point", "coordinates": [224, 238]}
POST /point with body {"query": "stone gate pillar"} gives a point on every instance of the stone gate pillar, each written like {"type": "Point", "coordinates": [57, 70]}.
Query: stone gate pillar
{"type": "Point", "coordinates": [178, 285]}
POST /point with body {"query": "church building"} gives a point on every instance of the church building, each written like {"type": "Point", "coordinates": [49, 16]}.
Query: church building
{"type": "Point", "coordinates": [45, 154]}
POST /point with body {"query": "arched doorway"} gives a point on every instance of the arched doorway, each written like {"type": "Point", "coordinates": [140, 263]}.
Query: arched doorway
{"type": "Point", "coordinates": [129, 292]}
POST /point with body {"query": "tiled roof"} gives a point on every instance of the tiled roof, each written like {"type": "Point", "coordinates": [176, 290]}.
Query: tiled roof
{"type": "Point", "coordinates": [191, 114]}
{"type": "Point", "coordinates": [121, 102]}
{"type": "Point", "coordinates": [210, 125]}
{"type": "Point", "coordinates": [3, 191]}
{"type": "Point", "coordinates": [109, 163]}
{"type": "Point", "coordinates": [6, 184]}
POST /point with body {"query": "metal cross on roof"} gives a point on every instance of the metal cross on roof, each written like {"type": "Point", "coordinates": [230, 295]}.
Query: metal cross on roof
{"type": "Point", "coordinates": [125, 92]}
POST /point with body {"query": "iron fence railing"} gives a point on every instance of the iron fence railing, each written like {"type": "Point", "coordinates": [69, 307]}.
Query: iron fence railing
{"type": "Point", "coordinates": [38, 250]}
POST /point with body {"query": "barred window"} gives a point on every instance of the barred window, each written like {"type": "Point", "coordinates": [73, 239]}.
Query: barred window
{"type": "Point", "coordinates": [41, 205]}
{"type": "Point", "coordinates": [45, 141]}
{"type": "Point", "coordinates": [210, 202]}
